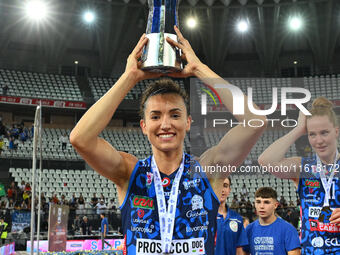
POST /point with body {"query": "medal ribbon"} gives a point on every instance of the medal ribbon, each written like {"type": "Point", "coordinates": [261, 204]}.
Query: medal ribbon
{"type": "Point", "coordinates": [166, 215]}
{"type": "Point", "coordinates": [327, 184]}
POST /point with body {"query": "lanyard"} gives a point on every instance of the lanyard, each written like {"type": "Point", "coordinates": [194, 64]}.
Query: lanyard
{"type": "Point", "coordinates": [166, 215]}
{"type": "Point", "coordinates": [327, 184]}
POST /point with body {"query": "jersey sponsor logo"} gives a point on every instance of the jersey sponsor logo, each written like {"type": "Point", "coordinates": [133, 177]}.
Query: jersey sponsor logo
{"type": "Point", "coordinates": [233, 226]}
{"type": "Point", "coordinates": [192, 214]}
{"type": "Point", "coordinates": [166, 182]}
{"type": "Point", "coordinates": [194, 246]}
{"type": "Point", "coordinates": [142, 202]}
{"type": "Point", "coordinates": [149, 177]}
{"type": "Point", "coordinates": [143, 229]}
{"type": "Point", "coordinates": [315, 225]}
{"type": "Point", "coordinates": [317, 242]}
{"type": "Point", "coordinates": [167, 193]}
{"type": "Point", "coordinates": [314, 169]}
{"type": "Point", "coordinates": [142, 221]}
{"type": "Point", "coordinates": [140, 213]}
{"type": "Point", "coordinates": [332, 242]}
{"type": "Point", "coordinates": [197, 228]}
{"type": "Point", "coordinates": [312, 183]}
{"type": "Point", "coordinates": [314, 212]}
{"type": "Point", "coordinates": [191, 184]}
{"type": "Point", "coordinates": [197, 202]}
{"type": "Point", "coordinates": [310, 198]}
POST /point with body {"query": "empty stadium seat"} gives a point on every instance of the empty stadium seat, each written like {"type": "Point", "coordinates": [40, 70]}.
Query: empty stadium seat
{"type": "Point", "coordinates": [41, 85]}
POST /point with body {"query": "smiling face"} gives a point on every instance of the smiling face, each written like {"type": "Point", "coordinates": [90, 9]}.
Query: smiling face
{"type": "Point", "coordinates": [225, 190]}
{"type": "Point", "coordinates": [165, 122]}
{"type": "Point", "coordinates": [322, 136]}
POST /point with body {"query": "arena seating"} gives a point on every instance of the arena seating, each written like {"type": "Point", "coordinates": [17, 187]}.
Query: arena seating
{"type": "Point", "coordinates": [67, 182]}
{"type": "Point", "coordinates": [262, 87]}
{"type": "Point", "coordinates": [87, 182]}
{"type": "Point", "coordinates": [133, 141]}
{"type": "Point", "coordinates": [99, 86]}
{"type": "Point", "coordinates": [61, 87]}
{"type": "Point", "coordinates": [284, 188]}
{"type": "Point", "coordinates": [41, 85]}
{"type": "Point", "coordinates": [130, 140]}
{"type": "Point", "coordinates": [212, 137]}
{"type": "Point", "coordinates": [52, 149]}
{"type": "Point", "coordinates": [327, 86]}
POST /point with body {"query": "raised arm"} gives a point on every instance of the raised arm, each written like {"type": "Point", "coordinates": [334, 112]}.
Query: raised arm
{"type": "Point", "coordinates": [274, 155]}
{"type": "Point", "coordinates": [237, 143]}
{"type": "Point", "coordinates": [98, 153]}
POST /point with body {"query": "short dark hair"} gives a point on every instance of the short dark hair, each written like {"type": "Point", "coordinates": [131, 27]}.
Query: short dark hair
{"type": "Point", "coordinates": [161, 87]}
{"type": "Point", "coordinates": [266, 192]}
{"type": "Point", "coordinates": [102, 214]}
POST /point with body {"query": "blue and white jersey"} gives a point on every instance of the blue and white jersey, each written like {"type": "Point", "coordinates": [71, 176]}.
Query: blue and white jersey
{"type": "Point", "coordinates": [278, 238]}
{"type": "Point", "coordinates": [317, 237]}
{"type": "Point", "coordinates": [195, 219]}
{"type": "Point", "coordinates": [230, 233]}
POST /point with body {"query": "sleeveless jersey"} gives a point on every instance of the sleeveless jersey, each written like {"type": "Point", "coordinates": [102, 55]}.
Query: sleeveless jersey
{"type": "Point", "coordinates": [195, 219]}
{"type": "Point", "coordinates": [318, 237]}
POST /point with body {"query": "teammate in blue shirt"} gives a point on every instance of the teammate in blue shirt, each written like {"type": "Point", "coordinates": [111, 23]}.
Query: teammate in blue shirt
{"type": "Point", "coordinates": [165, 207]}
{"type": "Point", "coordinates": [231, 235]}
{"type": "Point", "coordinates": [316, 178]}
{"type": "Point", "coordinates": [269, 234]}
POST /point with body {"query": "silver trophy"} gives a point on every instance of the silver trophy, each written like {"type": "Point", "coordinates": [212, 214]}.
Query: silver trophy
{"type": "Point", "coordinates": [159, 55]}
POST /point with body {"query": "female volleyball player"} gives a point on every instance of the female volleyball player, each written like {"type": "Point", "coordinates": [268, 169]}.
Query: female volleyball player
{"type": "Point", "coordinates": [316, 178]}
{"type": "Point", "coordinates": [165, 208]}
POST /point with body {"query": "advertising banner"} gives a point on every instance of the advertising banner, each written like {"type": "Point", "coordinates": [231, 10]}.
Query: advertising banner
{"type": "Point", "coordinates": [57, 230]}
{"type": "Point", "coordinates": [8, 249]}
{"type": "Point", "coordinates": [44, 102]}
{"type": "Point", "coordinates": [20, 220]}
{"type": "Point", "coordinates": [81, 245]}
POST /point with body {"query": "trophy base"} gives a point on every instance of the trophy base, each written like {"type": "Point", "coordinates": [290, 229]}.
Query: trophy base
{"type": "Point", "coordinates": [159, 56]}
{"type": "Point", "coordinates": [162, 69]}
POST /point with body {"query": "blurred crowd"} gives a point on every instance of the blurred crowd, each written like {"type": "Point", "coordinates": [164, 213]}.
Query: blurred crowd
{"type": "Point", "coordinates": [15, 134]}
{"type": "Point", "coordinates": [84, 214]}
{"type": "Point", "coordinates": [19, 198]}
